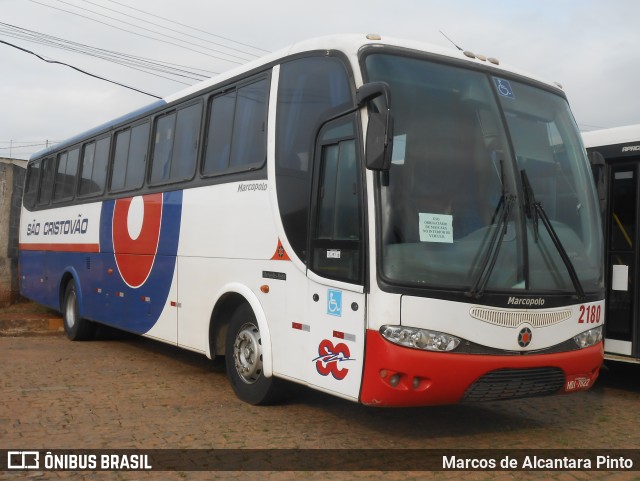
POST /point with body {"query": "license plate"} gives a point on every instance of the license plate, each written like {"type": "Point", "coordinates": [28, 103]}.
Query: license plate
{"type": "Point", "coordinates": [577, 383]}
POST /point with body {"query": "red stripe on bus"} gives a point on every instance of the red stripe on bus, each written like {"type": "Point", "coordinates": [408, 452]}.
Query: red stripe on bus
{"type": "Point", "coordinates": [61, 247]}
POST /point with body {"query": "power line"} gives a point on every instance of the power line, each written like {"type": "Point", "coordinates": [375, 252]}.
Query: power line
{"type": "Point", "coordinates": [118, 62]}
{"type": "Point", "coordinates": [24, 148]}
{"type": "Point", "coordinates": [172, 29]}
{"type": "Point", "coordinates": [14, 147]}
{"type": "Point", "coordinates": [188, 26]}
{"type": "Point", "coordinates": [138, 63]}
{"type": "Point", "coordinates": [28, 141]}
{"type": "Point", "coordinates": [79, 70]}
{"type": "Point", "coordinates": [37, 34]}
{"type": "Point", "coordinates": [154, 31]}
{"type": "Point", "coordinates": [145, 36]}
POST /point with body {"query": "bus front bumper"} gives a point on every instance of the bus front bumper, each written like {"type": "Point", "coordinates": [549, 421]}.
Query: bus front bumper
{"type": "Point", "coordinates": [400, 376]}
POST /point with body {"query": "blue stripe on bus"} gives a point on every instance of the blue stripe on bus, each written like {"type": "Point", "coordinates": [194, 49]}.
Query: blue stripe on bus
{"type": "Point", "coordinates": [106, 297]}
{"type": "Point", "coordinates": [128, 311]}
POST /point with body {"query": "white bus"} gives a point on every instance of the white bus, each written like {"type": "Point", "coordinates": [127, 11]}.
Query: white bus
{"type": "Point", "coordinates": [615, 155]}
{"type": "Point", "coordinates": [390, 222]}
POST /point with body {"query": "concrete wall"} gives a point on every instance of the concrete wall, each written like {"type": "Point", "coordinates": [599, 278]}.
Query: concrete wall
{"type": "Point", "coordinates": [12, 174]}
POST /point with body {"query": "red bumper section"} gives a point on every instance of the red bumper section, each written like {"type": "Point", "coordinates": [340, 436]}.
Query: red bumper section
{"type": "Point", "coordinates": [400, 376]}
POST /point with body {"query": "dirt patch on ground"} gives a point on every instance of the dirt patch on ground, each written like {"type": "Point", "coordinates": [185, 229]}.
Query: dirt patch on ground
{"type": "Point", "coordinates": [28, 318]}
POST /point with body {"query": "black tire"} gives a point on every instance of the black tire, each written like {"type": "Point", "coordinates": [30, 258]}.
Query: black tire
{"type": "Point", "coordinates": [76, 328]}
{"type": "Point", "coordinates": [244, 360]}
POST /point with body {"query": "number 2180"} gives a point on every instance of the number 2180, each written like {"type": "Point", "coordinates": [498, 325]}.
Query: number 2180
{"type": "Point", "coordinates": [590, 314]}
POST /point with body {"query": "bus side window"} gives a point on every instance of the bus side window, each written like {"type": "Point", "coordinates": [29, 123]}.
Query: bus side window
{"type": "Point", "coordinates": [308, 89]}
{"type": "Point", "coordinates": [249, 146]}
{"type": "Point", "coordinates": [65, 181]}
{"type": "Point", "coordinates": [129, 160]}
{"type": "Point", "coordinates": [93, 169]}
{"type": "Point", "coordinates": [163, 144]}
{"type": "Point", "coordinates": [46, 185]}
{"type": "Point", "coordinates": [339, 207]}
{"type": "Point", "coordinates": [33, 179]}
{"type": "Point", "coordinates": [336, 238]}
{"type": "Point", "coordinates": [185, 148]}
{"type": "Point", "coordinates": [220, 128]}
{"type": "Point", "coordinates": [119, 172]}
{"type": "Point", "coordinates": [236, 130]}
{"type": "Point", "coordinates": [137, 158]}
{"type": "Point", "coordinates": [176, 145]}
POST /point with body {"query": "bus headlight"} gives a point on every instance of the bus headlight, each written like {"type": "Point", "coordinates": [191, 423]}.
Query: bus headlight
{"type": "Point", "coordinates": [420, 338]}
{"type": "Point", "coordinates": [589, 338]}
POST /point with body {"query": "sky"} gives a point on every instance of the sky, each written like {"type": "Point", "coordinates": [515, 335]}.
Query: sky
{"type": "Point", "coordinates": [591, 47]}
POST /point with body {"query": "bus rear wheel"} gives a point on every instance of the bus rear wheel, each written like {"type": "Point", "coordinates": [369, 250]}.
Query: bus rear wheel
{"type": "Point", "coordinates": [76, 328]}
{"type": "Point", "coordinates": [244, 359]}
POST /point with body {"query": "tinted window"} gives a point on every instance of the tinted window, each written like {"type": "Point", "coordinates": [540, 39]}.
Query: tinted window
{"type": "Point", "coordinates": [236, 132]}
{"type": "Point", "coordinates": [86, 168]}
{"type": "Point", "coordinates": [249, 132]}
{"type": "Point", "coordinates": [137, 164]}
{"type": "Point", "coordinates": [338, 209]}
{"type": "Point", "coordinates": [622, 235]}
{"type": "Point", "coordinates": [337, 251]}
{"type": "Point", "coordinates": [101, 163]}
{"type": "Point", "coordinates": [185, 149]}
{"type": "Point", "coordinates": [130, 158]}
{"type": "Point", "coordinates": [120, 158]}
{"type": "Point", "coordinates": [31, 189]}
{"type": "Point", "coordinates": [93, 171]}
{"type": "Point", "coordinates": [66, 175]}
{"type": "Point", "coordinates": [221, 111]}
{"type": "Point", "coordinates": [309, 89]}
{"type": "Point", "coordinates": [46, 187]}
{"type": "Point", "coordinates": [176, 145]}
{"type": "Point", "coordinates": [163, 142]}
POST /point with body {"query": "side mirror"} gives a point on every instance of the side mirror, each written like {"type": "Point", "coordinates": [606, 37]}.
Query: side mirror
{"type": "Point", "coordinates": [379, 141]}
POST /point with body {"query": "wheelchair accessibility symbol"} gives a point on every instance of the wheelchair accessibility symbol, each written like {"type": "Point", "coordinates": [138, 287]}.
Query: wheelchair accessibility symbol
{"type": "Point", "coordinates": [334, 302]}
{"type": "Point", "coordinates": [504, 88]}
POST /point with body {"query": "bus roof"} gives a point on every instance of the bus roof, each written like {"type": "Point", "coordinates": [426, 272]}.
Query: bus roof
{"type": "Point", "coordinates": [613, 136]}
{"type": "Point", "coordinates": [349, 44]}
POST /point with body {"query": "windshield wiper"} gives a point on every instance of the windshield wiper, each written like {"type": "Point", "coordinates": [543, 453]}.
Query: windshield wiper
{"type": "Point", "coordinates": [534, 210]}
{"type": "Point", "coordinates": [491, 255]}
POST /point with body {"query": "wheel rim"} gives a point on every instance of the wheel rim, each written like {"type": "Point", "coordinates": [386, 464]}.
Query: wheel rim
{"type": "Point", "coordinates": [247, 353]}
{"type": "Point", "coordinates": [70, 309]}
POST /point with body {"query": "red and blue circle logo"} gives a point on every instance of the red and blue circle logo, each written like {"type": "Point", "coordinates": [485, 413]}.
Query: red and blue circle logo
{"type": "Point", "coordinates": [139, 235]}
{"type": "Point", "coordinates": [136, 233]}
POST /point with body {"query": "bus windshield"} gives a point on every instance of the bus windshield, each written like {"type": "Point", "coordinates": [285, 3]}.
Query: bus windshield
{"type": "Point", "coordinates": [455, 214]}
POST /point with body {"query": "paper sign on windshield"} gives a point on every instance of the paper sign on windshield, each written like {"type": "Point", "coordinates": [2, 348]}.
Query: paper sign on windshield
{"type": "Point", "coordinates": [436, 228]}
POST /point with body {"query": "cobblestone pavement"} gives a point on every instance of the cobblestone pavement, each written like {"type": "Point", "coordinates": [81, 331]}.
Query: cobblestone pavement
{"type": "Point", "coordinates": [131, 392]}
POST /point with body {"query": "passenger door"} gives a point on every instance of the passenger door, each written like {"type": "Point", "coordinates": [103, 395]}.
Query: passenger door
{"type": "Point", "coordinates": [336, 268]}
{"type": "Point", "coordinates": [621, 332]}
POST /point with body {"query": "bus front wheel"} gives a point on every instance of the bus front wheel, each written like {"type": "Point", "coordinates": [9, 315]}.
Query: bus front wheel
{"type": "Point", "coordinates": [76, 328]}
{"type": "Point", "coordinates": [244, 359]}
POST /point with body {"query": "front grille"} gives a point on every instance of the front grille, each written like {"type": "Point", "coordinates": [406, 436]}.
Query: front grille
{"type": "Point", "coordinates": [515, 383]}
{"type": "Point", "coordinates": [513, 318]}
